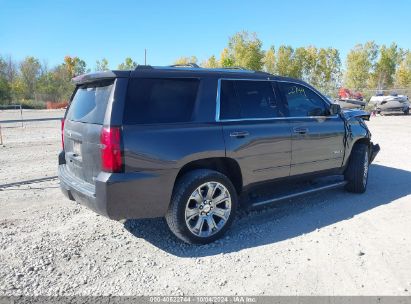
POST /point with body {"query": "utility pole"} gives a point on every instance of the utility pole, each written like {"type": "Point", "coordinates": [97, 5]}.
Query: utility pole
{"type": "Point", "coordinates": [145, 56]}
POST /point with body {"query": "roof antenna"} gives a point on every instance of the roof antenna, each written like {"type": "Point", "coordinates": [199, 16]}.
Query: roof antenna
{"type": "Point", "coordinates": [145, 56]}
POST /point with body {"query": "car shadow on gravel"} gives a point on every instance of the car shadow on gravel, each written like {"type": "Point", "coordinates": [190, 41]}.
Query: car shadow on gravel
{"type": "Point", "coordinates": [284, 220]}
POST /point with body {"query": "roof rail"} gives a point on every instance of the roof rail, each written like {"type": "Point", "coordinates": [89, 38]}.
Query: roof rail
{"type": "Point", "coordinates": [185, 65]}
{"type": "Point", "coordinates": [235, 68]}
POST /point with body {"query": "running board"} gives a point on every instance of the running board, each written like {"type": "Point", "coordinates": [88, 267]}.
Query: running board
{"type": "Point", "coordinates": [293, 195]}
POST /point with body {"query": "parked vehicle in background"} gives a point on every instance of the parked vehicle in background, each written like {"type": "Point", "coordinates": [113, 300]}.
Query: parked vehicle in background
{"type": "Point", "coordinates": [345, 93]}
{"type": "Point", "coordinates": [184, 142]}
{"type": "Point", "coordinates": [390, 104]}
{"type": "Point", "coordinates": [351, 103]}
{"type": "Point", "coordinates": [350, 100]}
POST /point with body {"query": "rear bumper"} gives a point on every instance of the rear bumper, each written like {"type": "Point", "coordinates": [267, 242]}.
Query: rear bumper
{"type": "Point", "coordinates": [119, 196]}
{"type": "Point", "coordinates": [375, 148]}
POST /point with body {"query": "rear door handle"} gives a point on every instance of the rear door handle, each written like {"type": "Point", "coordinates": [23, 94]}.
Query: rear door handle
{"type": "Point", "coordinates": [239, 134]}
{"type": "Point", "coordinates": [301, 130]}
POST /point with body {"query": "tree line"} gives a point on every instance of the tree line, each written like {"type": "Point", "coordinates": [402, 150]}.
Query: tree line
{"type": "Point", "coordinates": [367, 66]}
{"type": "Point", "coordinates": [31, 79]}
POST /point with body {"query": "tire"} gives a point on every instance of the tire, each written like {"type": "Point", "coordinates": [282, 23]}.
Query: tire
{"type": "Point", "coordinates": [356, 173]}
{"type": "Point", "coordinates": [194, 215]}
{"type": "Point", "coordinates": [407, 112]}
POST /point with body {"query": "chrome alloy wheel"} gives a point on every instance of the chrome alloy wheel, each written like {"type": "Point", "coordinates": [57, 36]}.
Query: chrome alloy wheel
{"type": "Point", "coordinates": [208, 209]}
{"type": "Point", "coordinates": [366, 166]}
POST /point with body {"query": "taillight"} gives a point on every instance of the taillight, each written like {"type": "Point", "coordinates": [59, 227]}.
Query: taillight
{"type": "Point", "coordinates": [62, 133]}
{"type": "Point", "coordinates": [111, 158]}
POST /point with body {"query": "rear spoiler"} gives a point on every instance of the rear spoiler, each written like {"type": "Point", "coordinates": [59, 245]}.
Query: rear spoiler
{"type": "Point", "coordinates": [91, 77]}
{"type": "Point", "coordinates": [348, 114]}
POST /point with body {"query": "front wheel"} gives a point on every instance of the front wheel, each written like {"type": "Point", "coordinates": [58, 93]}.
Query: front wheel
{"type": "Point", "coordinates": [202, 207]}
{"type": "Point", "coordinates": [356, 173]}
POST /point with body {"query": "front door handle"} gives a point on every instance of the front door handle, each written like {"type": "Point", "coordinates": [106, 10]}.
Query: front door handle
{"type": "Point", "coordinates": [301, 130]}
{"type": "Point", "coordinates": [239, 134]}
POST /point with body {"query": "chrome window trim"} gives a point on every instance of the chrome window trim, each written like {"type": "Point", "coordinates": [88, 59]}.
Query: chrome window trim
{"type": "Point", "coordinates": [277, 118]}
{"type": "Point", "coordinates": [218, 105]}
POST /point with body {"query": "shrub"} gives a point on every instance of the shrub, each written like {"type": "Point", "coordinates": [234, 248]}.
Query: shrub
{"type": "Point", "coordinates": [32, 104]}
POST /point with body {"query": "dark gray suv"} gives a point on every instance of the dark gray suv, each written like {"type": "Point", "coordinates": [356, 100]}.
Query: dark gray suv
{"type": "Point", "coordinates": [184, 142]}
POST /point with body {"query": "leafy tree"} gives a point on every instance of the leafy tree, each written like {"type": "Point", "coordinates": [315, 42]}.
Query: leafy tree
{"type": "Point", "coordinates": [245, 49]}
{"type": "Point", "coordinates": [360, 63]}
{"type": "Point", "coordinates": [211, 62]}
{"type": "Point", "coordinates": [287, 64]}
{"type": "Point", "coordinates": [321, 67]}
{"type": "Point", "coordinates": [102, 65]}
{"type": "Point", "coordinates": [383, 75]}
{"type": "Point", "coordinates": [47, 86]}
{"type": "Point", "coordinates": [308, 58]}
{"type": "Point", "coordinates": [30, 71]}
{"type": "Point", "coordinates": [3, 68]}
{"type": "Point", "coordinates": [186, 60]}
{"type": "Point", "coordinates": [10, 69]}
{"type": "Point", "coordinates": [63, 85]}
{"type": "Point", "coordinates": [226, 60]}
{"type": "Point", "coordinates": [56, 85]}
{"type": "Point", "coordinates": [330, 66]}
{"type": "Point", "coordinates": [75, 66]}
{"type": "Point", "coordinates": [269, 60]}
{"type": "Point", "coordinates": [403, 73]}
{"type": "Point", "coordinates": [128, 64]}
{"type": "Point", "coordinates": [5, 90]}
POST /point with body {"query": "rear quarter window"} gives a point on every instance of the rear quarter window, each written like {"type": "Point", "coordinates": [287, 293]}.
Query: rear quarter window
{"type": "Point", "coordinates": [151, 101]}
{"type": "Point", "coordinates": [89, 102]}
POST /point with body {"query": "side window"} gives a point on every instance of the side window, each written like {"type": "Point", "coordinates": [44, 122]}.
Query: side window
{"type": "Point", "coordinates": [229, 106]}
{"type": "Point", "coordinates": [160, 100]}
{"type": "Point", "coordinates": [301, 101]}
{"type": "Point", "coordinates": [248, 99]}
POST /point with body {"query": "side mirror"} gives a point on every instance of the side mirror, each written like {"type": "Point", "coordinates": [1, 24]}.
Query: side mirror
{"type": "Point", "coordinates": [335, 109]}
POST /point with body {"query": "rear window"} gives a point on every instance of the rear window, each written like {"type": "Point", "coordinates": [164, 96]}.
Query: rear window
{"type": "Point", "coordinates": [90, 102]}
{"type": "Point", "coordinates": [160, 100]}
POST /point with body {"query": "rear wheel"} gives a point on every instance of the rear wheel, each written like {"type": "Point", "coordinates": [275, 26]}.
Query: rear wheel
{"type": "Point", "coordinates": [356, 173]}
{"type": "Point", "coordinates": [202, 207]}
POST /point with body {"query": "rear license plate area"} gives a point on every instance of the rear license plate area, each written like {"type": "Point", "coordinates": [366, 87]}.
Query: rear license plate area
{"type": "Point", "coordinates": [77, 148]}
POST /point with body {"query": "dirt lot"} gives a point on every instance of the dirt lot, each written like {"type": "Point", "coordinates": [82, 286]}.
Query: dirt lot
{"type": "Point", "coordinates": [331, 243]}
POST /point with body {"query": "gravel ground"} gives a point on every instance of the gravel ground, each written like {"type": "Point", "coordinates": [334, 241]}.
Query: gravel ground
{"type": "Point", "coordinates": [30, 114]}
{"type": "Point", "coordinates": [331, 243]}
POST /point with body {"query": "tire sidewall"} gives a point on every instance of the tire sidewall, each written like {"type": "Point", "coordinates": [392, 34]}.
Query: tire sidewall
{"type": "Point", "coordinates": [366, 156]}
{"type": "Point", "coordinates": [354, 174]}
{"type": "Point", "coordinates": [213, 176]}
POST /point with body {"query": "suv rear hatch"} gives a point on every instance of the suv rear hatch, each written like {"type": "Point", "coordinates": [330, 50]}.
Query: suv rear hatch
{"type": "Point", "coordinates": [83, 125]}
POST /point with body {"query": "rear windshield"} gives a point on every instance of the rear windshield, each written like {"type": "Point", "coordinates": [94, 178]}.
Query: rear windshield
{"type": "Point", "coordinates": [90, 102]}
{"type": "Point", "coordinates": [160, 100]}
